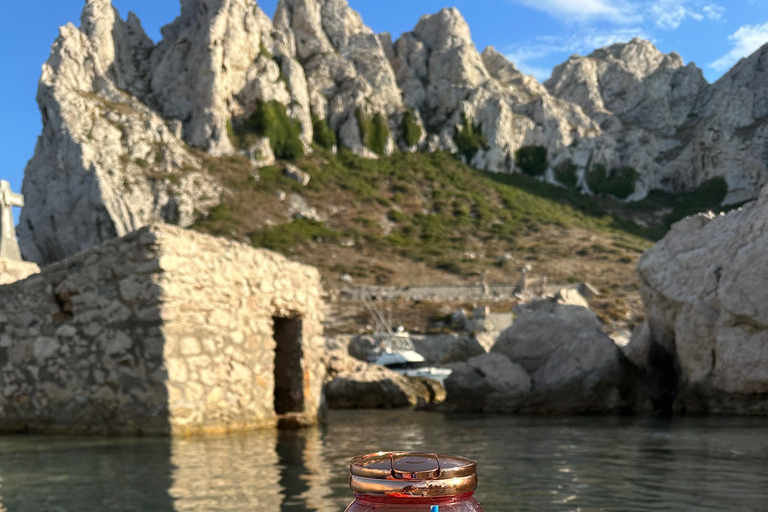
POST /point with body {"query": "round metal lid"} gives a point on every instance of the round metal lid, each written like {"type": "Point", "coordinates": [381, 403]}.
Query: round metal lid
{"type": "Point", "coordinates": [402, 474]}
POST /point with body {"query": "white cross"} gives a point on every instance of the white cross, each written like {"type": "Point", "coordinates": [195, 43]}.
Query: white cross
{"type": "Point", "coordinates": [9, 248]}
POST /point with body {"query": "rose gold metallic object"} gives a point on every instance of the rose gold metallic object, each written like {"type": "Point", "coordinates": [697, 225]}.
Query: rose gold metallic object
{"type": "Point", "coordinates": [413, 477]}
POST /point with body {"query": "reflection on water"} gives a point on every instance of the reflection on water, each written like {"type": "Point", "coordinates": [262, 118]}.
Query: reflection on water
{"type": "Point", "coordinates": [526, 464]}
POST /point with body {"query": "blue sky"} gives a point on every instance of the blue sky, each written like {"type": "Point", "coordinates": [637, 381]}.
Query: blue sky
{"type": "Point", "coordinates": [535, 34]}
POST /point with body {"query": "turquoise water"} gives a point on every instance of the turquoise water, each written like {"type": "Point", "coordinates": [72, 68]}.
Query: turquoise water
{"type": "Point", "coordinates": [525, 464]}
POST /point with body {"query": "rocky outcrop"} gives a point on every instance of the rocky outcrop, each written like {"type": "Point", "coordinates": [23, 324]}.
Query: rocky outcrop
{"type": "Point", "coordinates": [443, 77]}
{"type": "Point", "coordinates": [105, 164]}
{"type": "Point", "coordinates": [554, 359]}
{"type": "Point", "coordinates": [356, 384]}
{"type": "Point", "coordinates": [130, 126]}
{"type": "Point", "coordinates": [376, 387]}
{"type": "Point", "coordinates": [477, 385]}
{"type": "Point", "coordinates": [728, 133]}
{"type": "Point", "coordinates": [346, 69]}
{"type": "Point", "coordinates": [641, 98]}
{"type": "Point", "coordinates": [704, 346]}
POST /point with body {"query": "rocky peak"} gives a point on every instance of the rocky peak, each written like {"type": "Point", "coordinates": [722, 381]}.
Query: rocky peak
{"type": "Point", "coordinates": [120, 49]}
{"type": "Point", "coordinates": [525, 87]}
{"type": "Point", "coordinates": [204, 62]}
{"type": "Point", "coordinates": [634, 81]}
{"type": "Point", "coordinates": [742, 89]}
{"type": "Point", "coordinates": [500, 67]}
{"type": "Point", "coordinates": [447, 37]}
{"type": "Point", "coordinates": [639, 57]}
{"type": "Point", "coordinates": [345, 64]}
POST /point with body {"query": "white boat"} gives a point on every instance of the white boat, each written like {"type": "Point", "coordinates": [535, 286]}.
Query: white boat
{"type": "Point", "coordinates": [394, 349]}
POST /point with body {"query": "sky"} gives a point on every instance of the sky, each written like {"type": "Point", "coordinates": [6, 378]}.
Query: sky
{"type": "Point", "coordinates": [535, 34]}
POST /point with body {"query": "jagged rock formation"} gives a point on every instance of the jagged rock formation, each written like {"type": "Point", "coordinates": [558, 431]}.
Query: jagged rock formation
{"type": "Point", "coordinates": [704, 345]}
{"type": "Point", "coordinates": [662, 118]}
{"type": "Point", "coordinates": [450, 84]}
{"type": "Point", "coordinates": [554, 359]}
{"type": "Point", "coordinates": [729, 126]}
{"type": "Point", "coordinates": [128, 124]}
{"type": "Point", "coordinates": [106, 164]}
{"type": "Point", "coordinates": [344, 63]}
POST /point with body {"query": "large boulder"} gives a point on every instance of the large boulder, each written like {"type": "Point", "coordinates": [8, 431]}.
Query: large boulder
{"type": "Point", "coordinates": [573, 366]}
{"type": "Point", "coordinates": [371, 386]}
{"type": "Point", "coordinates": [475, 386]}
{"type": "Point", "coordinates": [705, 287]}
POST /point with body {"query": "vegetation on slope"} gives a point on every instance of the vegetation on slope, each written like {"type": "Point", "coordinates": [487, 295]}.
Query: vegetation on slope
{"type": "Point", "coordinates": [532, 160]}
{"type": "Point", "coordinates": [323, 135]}
{"type": "Point", "coordinates": [411, 129]}
{"type": "Point", "coordinates": [430, 210]}
{"type": "Point", "coordinates": [469, 139]}
{"type": "Point", "coordinates": [374, 131]}
{"type": "Point", "coordinates": [565, 173]}
{"type": "Point", "coordinates": [619, 183]}
{"type": "Point", "coordinates": [270, 119]}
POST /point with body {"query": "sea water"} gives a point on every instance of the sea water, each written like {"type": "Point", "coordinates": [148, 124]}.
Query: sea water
{"type": "Point", "coordinates": [525, 464]}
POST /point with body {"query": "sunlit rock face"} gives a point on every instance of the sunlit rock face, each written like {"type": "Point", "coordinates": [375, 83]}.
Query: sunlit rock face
{"type": "Point", "coordinates": [704, 289]}
{"type": "Point", "coordinates": [128, 124]}
{"type": "Point", "coordinates": [344, 63]}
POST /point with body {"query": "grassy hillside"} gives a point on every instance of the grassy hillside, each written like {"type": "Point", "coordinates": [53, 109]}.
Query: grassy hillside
{"type": "Point", "coordinates": [428, 219]}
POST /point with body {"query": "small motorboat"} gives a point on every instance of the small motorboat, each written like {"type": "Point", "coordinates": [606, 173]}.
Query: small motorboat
{"type": "Point", "coordinates": [394, 349]}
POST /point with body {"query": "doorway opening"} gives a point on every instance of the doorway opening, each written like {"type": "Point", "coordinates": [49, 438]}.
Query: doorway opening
{"type": "Point", "coordinates": [289, 375]}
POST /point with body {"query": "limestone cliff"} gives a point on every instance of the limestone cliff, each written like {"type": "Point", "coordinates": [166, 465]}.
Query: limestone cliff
{"type": "Point", "coordinates": [703, 344]}
{"type": "Point", "coordinates": [106, 164]}
{"type": "Point", "coordinates": [128, 125]}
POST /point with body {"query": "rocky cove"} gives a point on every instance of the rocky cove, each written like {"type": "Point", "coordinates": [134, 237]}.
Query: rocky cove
{"type": "Point", "coordinates": [169, 174]}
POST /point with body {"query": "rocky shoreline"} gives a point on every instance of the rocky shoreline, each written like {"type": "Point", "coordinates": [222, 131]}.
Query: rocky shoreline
{"type": "Point", "coordinates": [702, 349]}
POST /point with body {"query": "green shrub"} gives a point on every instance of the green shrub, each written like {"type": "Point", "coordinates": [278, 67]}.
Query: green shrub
{"type": "Point", "coordinates": [397, 216]}
{"type": "Point", "coordinates": [323, 135]}
{"type": "Point", "coordinates": [411, 129]}
{"type": "Point", "coordinates": [619, 183]}
{"type": "Point", "coordinates": [221, 220]}
{"type": "Point", "coordinates": [532, 160]}
{"type": "Point", "coordinates": [283, 237]}
{"type": "Point", "coordinates": [708, 196]}
{"type": "Point", "coordinates": [566, 174]}
{"type": "Point", "coordinates": [470, 140]}
{"type": "Point", "coordinates": [374, 132]}
{"type": "Point", "coordinates": [264, 52]}
{"type": "Point", "coordinates": [271, 120]}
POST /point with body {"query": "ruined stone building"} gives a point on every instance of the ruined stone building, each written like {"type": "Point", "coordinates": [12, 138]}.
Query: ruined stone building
{"type": "Point", "coordinates": [164, 331]}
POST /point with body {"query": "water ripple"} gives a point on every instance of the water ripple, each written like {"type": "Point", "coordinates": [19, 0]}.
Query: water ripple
{"type": "Point", "coordinates": [526, 465]}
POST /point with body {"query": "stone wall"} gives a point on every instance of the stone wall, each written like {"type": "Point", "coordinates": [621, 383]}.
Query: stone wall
{"type": "Point", "coordinates": [164, 331]}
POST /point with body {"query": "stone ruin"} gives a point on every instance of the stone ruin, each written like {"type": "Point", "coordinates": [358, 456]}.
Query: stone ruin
{"type": "Point", "coordinates": [164, 331]}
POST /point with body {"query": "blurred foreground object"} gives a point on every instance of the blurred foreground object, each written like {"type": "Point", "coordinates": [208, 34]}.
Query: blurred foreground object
{"type": "Point", "coordinates": [413, 482]}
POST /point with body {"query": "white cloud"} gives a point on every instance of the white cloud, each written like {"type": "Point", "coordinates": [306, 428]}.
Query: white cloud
{"type": "Point", "coordinates": [583, 42]}
{"type": "Point", "coordinates": [619, 11]}
{"type": "Point", "coordinates": [670, 14]}
{"type": "Point", "coordinates": [746, 41]}
{"type": "Point", "coordinates": [714, 12]}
